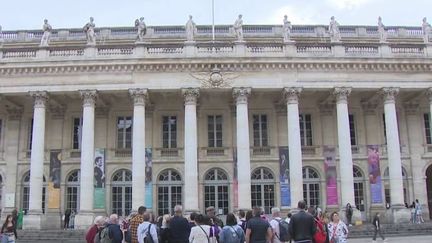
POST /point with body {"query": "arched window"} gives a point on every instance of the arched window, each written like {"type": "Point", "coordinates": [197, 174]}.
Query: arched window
{"type": "Point", "coordinates": [263, 189]}
{"type": "Point", "coordinates": [72, 190]}
{"type": "Point", "coordinates": [26, 193]}
{"type": "Point", "coordinates": [386, 181]}
{"type": "Point", "coordinates": [311, 186]}
{"type": "Point", "coordinates": [169, 191]}
{"type": "Point", "coordinates": [216, 190]}
{"type": "Point", "coordinates": [359, 189]}
{"type": "Point", "coordinates": [121, 192]}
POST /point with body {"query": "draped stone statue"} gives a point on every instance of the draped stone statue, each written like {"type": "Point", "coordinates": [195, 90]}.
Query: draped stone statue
{"type": "Point", "coordinates": [1, 36]}
{"type": "Point", "coordinates": [141, 28]}
{"type": "Point", "coordinates": [46, 34]}
{"type": "Point", "coordinates": [426, 28]}
{"type": "Point", "coordinates": [90, 32]}
{"type": "Point", "coordinates": [191, 29]}
{"type": "Point", "coordinates": [286, 29]}
{"type": "Point", "coordinates": [381, 31]}
{"type": "Point", "coordinates": [333, 30]}
{"type": "Point", "coordinates": [238, 28]}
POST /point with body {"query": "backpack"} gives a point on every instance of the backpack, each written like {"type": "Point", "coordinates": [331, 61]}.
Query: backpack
{"type": "Point", "coordinates": [284, 234]}
{"type": "Point", "coordinates": [147, 237]}
{"type": "Point", "coordinates": [105, 235]}
{"type": "Point", "coordinates": [320, 235]}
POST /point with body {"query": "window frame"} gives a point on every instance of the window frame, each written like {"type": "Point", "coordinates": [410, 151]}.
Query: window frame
{"type": "Point", "coordinates": [261, 134]}
{"type": "Point", "coordinates": [214, 135]}
{"type": "Point", "coordinates": [171, 142]}
{"type": "Point", "coordinates": [304, 120]}
{"type": "Point", "coordinates": [122, 141]}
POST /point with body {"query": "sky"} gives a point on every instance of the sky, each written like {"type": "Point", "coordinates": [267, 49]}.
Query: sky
{"type": "Point", "coordinates": [29, 14]}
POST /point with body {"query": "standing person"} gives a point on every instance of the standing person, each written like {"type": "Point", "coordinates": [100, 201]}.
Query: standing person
{"type": "Point", "coordinates": [274, 223]}
{"type": "Point", "coordinates": [413, 212]}
{"type": "Point", "coordinates": [419, 210]}
{"type": "Point", "coordinates": [135, 222]}
{"type": "Point", "coordinates": [179, 227]}
{"type": "Point", "coordinates": [67, 218]}
{"type": "Point", "coordinates": [8, 230]}
{"type": "Point", "coordinates": [165, 230]}
{"type": "Point", "coordinates": [337, 229]}
{"type": "Point", "coordinates": [200, 233]}
{"type": "Point", "coordinates": [147, 229]}
{"type": "Point", "coordinates": [211, 212]}
{"type": "Point", "coordinates": [288, 218]}
{"type": "Point", "coordinates": [15, 216]}
{"type": "Point", "coordinates": [94, 230]}
{"type": "Point", "coordinates": [377, 229]}
{"type": "Point", "coordinates": [115, 233]}
{"type": "Point", "coordinates": [242, 220]}
{"type": "Point", "coordinates": [232, 232]}
{"type": "Point", "coordinates": [258, 230]}
{"type": "Point", "coordinates": [72, 219]}
{"type": "Point", "coordinates": [192, 218]}
{"type": "Point", "coordinates": [349, 213]}
{"type": "Point", "coordinates": [302, 225]}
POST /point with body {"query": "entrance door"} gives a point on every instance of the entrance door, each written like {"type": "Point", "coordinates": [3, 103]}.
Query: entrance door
{"type": "Point", "coordinates": [429, 189]}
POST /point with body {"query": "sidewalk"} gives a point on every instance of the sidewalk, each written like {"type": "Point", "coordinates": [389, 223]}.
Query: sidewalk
{"type": "Point", "coordinates": [416, 239]}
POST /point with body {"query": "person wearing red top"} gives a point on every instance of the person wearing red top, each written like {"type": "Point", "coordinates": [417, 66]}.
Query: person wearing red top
{"type": "Point", "coordinates": [99, 222]}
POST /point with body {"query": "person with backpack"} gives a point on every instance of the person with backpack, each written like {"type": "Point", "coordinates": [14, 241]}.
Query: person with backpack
{"type": "Point", "coordinates": [242, 220]}
{"type": "Point", "coordinates": [147, 232]}
{"type": "Point", "coordinates": [112, 232]}
{"type": "Point", "coordinates": [377, 228]}
{"type": "Point", "coordinates": [258, 230]}
{"type": "Point", "coordinates": [279, 227]}
{"type": "Point", "coordinates": [92, 235]}
{"type": "Point", "coordinates": [231, 232]}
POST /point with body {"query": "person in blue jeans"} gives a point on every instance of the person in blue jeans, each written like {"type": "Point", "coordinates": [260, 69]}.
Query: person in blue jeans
{"type": "Point", "coordinates": [231, 232]}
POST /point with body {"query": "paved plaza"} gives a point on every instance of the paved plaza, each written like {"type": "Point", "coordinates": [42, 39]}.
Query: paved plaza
{"type": "Point", "coordinates": [416, 239]}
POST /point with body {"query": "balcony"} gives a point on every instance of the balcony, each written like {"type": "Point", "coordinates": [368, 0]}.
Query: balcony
{"type": "Point", "coordinates": [216, 151]}
{"type": "Point", "coordinates": [168, 152]}
{"type": "Point", "coordinates": [309, 150]}
{"type": "Point", "coordinates": [75, 153]}
{"type": "Point", "coordinates": [123, 153]}
{"type": "Point", "coordinates": [261, 151]}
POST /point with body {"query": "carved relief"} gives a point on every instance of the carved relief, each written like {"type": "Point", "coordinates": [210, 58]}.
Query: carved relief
{"type": "Point", "coordinates": [190, 95]}
{"type": "Point", "coordinates": [342, 94]}
{"type": "Point", "coordinates": [89, 97]}
{"type": "Point", "coordinates": [139, 96]}
{"type": "Point", "coordinates": [241, 95]}
{"type": "Point", "coordinates": [40, 98]}
{"type": "Point", "coordinates": [389, 94]}
{"type": "Point", "coordinates": [215, 79]}
{"type": "Point", "coordinates": [292, 95]}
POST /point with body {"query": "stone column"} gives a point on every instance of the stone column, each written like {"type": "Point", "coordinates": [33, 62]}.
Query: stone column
{"type": "Point", "coordinates": [191, 149]}
{"type": "Point", "coordinates": [294, 145]}
{"type": "Point", "coordinates": [85, 215]}
{"type": "Point", "coordinates": [34, 218]}
{"type": "Point", "coordinates": [243, 148]}
{"type": "Point", "coordinates": [139, 97]}
{"type": "Point", "coordinates": [344, 143]}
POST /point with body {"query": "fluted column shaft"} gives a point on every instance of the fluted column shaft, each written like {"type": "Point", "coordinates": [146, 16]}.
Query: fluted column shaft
{"type": "Point", "coordinates": [344, 143]}
{"type": "Point", "coordinates": [37, 152]}
{"type": "Point", "coordinates": [294, 145]}
{"type": "Point", "coordinates": [191, 145]}
{"type": "Point", "coordinates": [139, 97]}
{"type": "Point", "coordinates": [243, 148]}
{"type": "Point", "coordinates": [393, 146]}
{"type": "Point", "coordinates": [87, 151]}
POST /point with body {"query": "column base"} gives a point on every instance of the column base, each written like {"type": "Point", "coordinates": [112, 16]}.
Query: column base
{"type": "Point", "coordinates": [83, 220]}
{"type": "Point", "coordinates": [400, 214]}
{"type": "Point", "coordinates": [53, 220]}
{"type": "Point", "coordinates": [32, 221]}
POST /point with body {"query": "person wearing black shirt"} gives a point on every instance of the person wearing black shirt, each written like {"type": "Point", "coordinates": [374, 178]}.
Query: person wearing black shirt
{"type": "Point", "coordinates": [302, 225]}
{"type": "Point", "coordinates": [258, 230]}
{"type": "Point", "coordinates": [179, 227]}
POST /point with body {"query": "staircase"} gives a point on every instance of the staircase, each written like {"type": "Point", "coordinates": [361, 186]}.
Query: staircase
{"type": "Point", "coordinates": [367, 231]}
{"type": "Point", "coordinates": [51, 236]}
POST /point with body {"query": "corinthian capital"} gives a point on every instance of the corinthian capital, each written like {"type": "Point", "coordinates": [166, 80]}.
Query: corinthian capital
{"type": "Point", "coordinates": [40, 98]}
{"type": "Point", "coordinates": [89, 97]}
{"type": "Point", "coordinates": [190, 95]}
{"type": "Point", "coordinates": [139, 96]}
{"type": "Point", "coordinates": [389, 94]}
{"type": "Point", "coordinates": [342, 94]}
{"type": "Point", "coordinates": [241, 95]}
{"type": "Point", "coordinates": [291, 95]}
{"type": "Point", "coordinates": [429, 94]}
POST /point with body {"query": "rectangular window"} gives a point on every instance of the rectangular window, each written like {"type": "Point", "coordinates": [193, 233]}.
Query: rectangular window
{"type": "Point", "coordinates": [214, 125]}
{"type": "Point", "coordinates": [260, 130]}
{"type": "Point", "coordinates": [305, 129]}
{"type": "Point", "coordinates": [427, 128]}
{"type": "Point", "coordinates": [77, 133]}
{"type": "Point", "coordinates": [352, 130]}
{"type": "Point", "coordinates": [30, 135]}
{"type": "Point", "coordinates": [124, 132]}
{"type": "Point", "coordinates": [169, 132]}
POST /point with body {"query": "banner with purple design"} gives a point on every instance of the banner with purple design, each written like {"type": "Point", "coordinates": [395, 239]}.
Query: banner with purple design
{"type": "Point", "coordinates": [329, 154]}
{"type": "Point", "coordinates": [375, 173]}
{"type": "Point", "coordinates": [148, 178]}
{"type": "Point", "coordinates": [285, 190]}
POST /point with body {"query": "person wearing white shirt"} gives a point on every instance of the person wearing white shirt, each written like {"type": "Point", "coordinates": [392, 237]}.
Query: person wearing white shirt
{"type": "Point", "coordinates": [274, 223]}
{"type": "Point", "coordinates": [144, 227]}
{"type": "Point", "coordinates": [201, 232]}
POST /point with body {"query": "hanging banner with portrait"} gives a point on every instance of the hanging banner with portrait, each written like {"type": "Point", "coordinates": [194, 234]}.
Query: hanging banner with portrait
{"type": "Point", "coordinates": [374, 174]}
{"type": "Point", "coordinates": [285, 190]}
{"type": "Point", "coordinates": [99, 179]}
{"type": "Point", "coordinates": [329, 154]}
{"type": "Point", "coordinates": [148, 178]}
{"type": "Point", "coordinates": [235, 180]}
{"type": "Point", "coordinates": [54, 179]}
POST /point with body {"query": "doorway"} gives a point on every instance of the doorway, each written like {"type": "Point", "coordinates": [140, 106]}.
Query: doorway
{"type": "Point", "coordinates": [429, 189]}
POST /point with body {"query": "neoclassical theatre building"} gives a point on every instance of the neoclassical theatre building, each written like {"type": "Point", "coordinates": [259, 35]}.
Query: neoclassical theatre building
{"type": "Point", "coordinates": [107, 120]}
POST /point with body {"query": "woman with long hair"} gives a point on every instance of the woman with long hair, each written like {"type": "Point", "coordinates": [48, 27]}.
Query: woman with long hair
{"type": "Point", "coordinates": [337, 229]}
{"type": "Point", "coordinates": [8, 230]}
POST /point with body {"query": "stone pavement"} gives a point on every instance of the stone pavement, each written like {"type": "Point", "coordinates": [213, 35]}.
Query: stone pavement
{"type": "Point", "coordinates": [416, 239]}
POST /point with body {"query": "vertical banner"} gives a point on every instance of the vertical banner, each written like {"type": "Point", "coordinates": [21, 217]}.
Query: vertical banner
{"type": "Point", "coordinates": [235, 181]}
{"type": "Point", "coordinates": [99, 179]}
{"type": "Point", "coordinates": [285, 190]}
{"type": "Point", "coordinates": [148, 178]}
{"type": "Point", "coordinates": [374, 173]}
{"type": "Point", "coordinates": [54, 179]}
{"type": "Point", "coordinates": [331, 174]}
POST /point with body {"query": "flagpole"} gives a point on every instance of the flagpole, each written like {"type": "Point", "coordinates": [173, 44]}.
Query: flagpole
{"type": "Point", "coordinates": [213, 25]}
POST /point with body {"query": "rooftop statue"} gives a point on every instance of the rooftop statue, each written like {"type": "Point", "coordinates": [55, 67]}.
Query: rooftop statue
{"type": "Point", "coordinates": [287, 29]}
{"type": "Point", "coordinates": [1, 36]}
{"type": "Point", "coordinates": [238, 28]}
{"type": "Point", "coordinates": [333, 30]}
{"type": "Point", "coordinates": [46, 33]}
{"type": "Point", "coordinates": [191, 29]}
{"type": "Point", "coordinates": [90, 32]}
{"type": "Point", "coordinates": [142, 28]}
{"type": "Point", "coordinates": [426, 29]}
{"type": "Point", "coordinates": [381, 30]}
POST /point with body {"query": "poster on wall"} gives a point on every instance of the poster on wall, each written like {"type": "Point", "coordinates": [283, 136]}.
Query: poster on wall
{"type": "Point", "coordinates": [54, 179]}
{"type": "Point", "coordinates": [285, 190]}
{"type": "Point", "coordinates": [99, 179]}
{"type": "Point", "coordinates": [374, 173]}
{"type": "Point", "coordinates": [235, 182]}
{"type": "Point", "coordinates": [329, 154]}
{"type": "Point", "coordinates": [148, 178]}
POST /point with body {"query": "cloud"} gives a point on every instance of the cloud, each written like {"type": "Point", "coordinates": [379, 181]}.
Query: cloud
{"type": "Point", "coordinates": [347, 4]}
